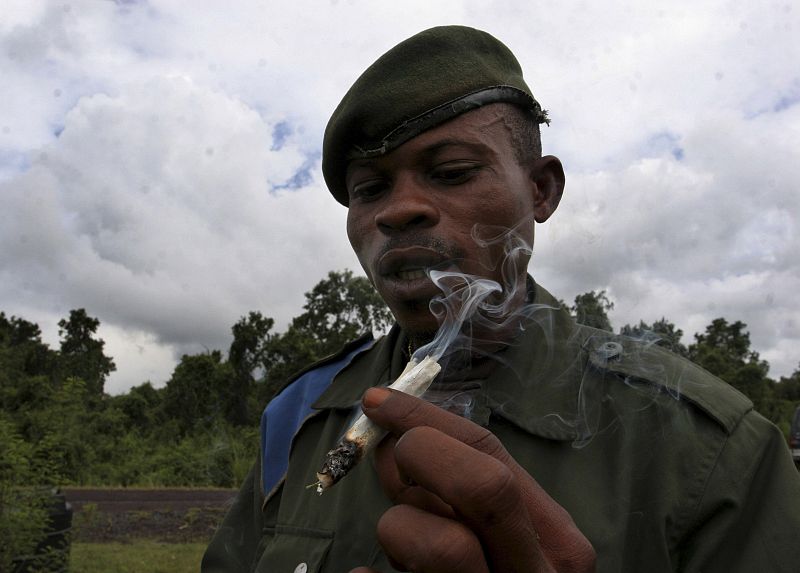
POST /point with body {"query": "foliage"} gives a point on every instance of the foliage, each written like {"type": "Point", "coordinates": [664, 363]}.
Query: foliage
{"type": "Point", "coordinates": [193, 394]}
{"type": "Point", "coordinates": [724, 350]}
{"type": "Point", "coordinates": [661, 332]}
{"type": "Point", "coordinates": [337, 310]}
{"type": "Point", "coordinates": [201, 428]}
{"type": "Point", "coordinates": [785, 398]}
{"type": "Point", "coordinates": [591, 308]}
{"type": "Point", "coordinates": [21, 348]}
{"type": "Point", "coordinates": [81, 354]}
{"type": "Point", "coordinates": [251, 339]}
{"type": "Point", "coordinates": [26, 472]}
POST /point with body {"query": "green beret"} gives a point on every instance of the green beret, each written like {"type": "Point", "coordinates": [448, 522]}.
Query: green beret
{"type": "Point", "coordinates": [422, 82]}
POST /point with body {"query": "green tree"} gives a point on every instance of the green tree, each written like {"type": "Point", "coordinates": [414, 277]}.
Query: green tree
{"type": "Point", "coordinates": [27, 366]}
{"type": "Point", "coordinates": [724, 350]}
{"type": "Point", "coordinates": [81, 353]}
{"type": "Point", "coordinates": [591, 308]}
{"type": "Point", "coordinates": [785, 399]}
{"type": "Point", "coordinates": [140, 405]}
{"type": "Point", "coordinates": [341, 308]}
{"type": "Point", "coordinates": [194, 394]}
{"type": "Point", "coordinates": [661, 332]}
{"type": "Point", "coordinates": [338, 310]}
{"type": "Point", "coordinates": [22, 349]}
{"type": "Point", "coordinates": [251, 337]}
{"type": "Point", "coordinates": [25, 479]}
{"type": "Point", "coordinates": [65, 426]}
{"type": "Point", "coordinates": [788, 388]}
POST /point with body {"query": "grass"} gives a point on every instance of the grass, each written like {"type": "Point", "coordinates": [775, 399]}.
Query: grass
{"type": "Point", "coordinates": [138, 556]}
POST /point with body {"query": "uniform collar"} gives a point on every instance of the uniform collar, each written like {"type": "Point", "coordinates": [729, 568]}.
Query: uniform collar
{"type": "Point", "coordinates": [537, 385]}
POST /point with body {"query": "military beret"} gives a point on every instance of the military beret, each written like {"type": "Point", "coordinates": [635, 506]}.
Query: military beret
{"type": "Point", "coordinates": [422, 82]}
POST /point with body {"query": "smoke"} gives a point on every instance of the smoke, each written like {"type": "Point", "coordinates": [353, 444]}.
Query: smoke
{"type": "Point", "coordinates": [475, 312]}
{"type": "Point", "coordinates": [477, 316]}
{"type": "Point", "coordinates": [463, 299]}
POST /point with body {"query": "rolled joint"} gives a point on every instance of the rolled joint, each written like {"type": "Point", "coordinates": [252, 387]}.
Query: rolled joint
{"type": "Point", "coordinates": [364, 434]}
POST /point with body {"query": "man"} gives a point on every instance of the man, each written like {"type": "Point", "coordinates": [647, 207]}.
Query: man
{"type": "Point", "coordinates": [551, 446]}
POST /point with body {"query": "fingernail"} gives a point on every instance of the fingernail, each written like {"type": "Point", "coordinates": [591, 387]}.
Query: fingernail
{"type": "Point", "coordinates": [374, 397]}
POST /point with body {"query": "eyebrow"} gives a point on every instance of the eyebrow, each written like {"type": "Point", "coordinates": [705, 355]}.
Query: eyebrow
{"type": "Point", "coordinates": [428, 150]}
{"type": "Point", "coordinates": [450, 142]}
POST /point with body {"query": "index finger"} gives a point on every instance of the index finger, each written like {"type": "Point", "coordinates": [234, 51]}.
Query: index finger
{"type": "Point", "coordinates": [399, 412]}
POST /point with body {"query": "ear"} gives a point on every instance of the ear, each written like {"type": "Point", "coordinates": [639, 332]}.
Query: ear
{"type": "Point", "coordinates": [548, 175]}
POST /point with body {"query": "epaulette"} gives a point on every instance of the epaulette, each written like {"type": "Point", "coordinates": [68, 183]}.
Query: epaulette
{"type": "Point", "coordinates": [635, 360]}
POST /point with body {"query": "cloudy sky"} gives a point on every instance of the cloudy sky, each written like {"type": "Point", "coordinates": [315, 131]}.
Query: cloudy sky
{"type": "Point", "coordinates": [160, 160]}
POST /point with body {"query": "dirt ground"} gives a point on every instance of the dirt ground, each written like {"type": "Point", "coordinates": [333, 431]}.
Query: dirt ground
{"type": "Point", "coordinates": [168, 515]}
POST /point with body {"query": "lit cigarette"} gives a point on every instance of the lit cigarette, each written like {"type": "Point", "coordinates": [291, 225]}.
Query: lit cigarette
{"type": "Point", "coordinates": [364, 435]}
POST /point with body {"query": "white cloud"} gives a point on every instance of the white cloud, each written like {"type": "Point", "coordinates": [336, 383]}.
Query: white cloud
{"type": "Point", "coordinates": [155, 210]}
{"type": "Point", "coordinates": [713, 234]}
{"type": "Point", "coordinates": [142, 173]}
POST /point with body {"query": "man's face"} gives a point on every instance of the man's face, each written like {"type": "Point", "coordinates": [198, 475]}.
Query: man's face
{"type": "Point", "coordinates": [415, 209]}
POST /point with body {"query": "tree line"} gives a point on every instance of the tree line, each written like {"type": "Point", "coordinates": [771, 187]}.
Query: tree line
{"type": "Point", "coordinates": [201, 427]}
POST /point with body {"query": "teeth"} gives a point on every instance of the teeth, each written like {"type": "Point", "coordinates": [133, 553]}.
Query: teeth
{"type": "Point", "coordinates": [411, 275]}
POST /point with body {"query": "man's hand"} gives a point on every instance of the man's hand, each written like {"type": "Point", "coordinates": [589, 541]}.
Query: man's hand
{"type": "Point", "coordinates": [462, 503]}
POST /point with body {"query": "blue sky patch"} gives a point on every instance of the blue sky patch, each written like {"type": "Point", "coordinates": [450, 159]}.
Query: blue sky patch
{"type": "Point", "coordinates": [777, 103]}
{"type": "Point", "coordinates": [662, 143]}
{"type": "Point", "coordinates": [302, 176]}
{"type": "Point", "coordinates": [280, 133]}
{"type": "Point", "coordinates": [13, 163]}
{"type": "Point", "coordinates": [787, 101]}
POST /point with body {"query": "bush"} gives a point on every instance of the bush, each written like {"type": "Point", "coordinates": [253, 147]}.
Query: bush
{"type": "Point", "coordinates": [26, 505]}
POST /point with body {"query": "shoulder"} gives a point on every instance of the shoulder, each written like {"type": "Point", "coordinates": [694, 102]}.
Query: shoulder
{"type": "Point", "coordinates": [630, 361]}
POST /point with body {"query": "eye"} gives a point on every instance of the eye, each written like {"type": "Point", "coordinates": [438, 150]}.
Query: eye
{"type": "Point", "coordinates": [455, 173]}
{"type": "Point", "coordinates": [368, 190]}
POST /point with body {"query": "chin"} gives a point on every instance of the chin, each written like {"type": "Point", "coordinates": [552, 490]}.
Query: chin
{"type": "Point", "coordinates": [417, 321]}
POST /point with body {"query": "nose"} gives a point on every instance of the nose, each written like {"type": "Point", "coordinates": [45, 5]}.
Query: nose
{"type": "Point", "coordinates": [408, 206]}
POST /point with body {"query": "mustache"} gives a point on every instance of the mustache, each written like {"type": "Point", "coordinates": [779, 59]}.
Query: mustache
{"type": "Point", "coordinates": [438, 245]}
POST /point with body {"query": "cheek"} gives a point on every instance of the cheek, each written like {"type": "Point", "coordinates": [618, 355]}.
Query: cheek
{"type": "Point", "coordinates": [355, 230]}
{"type": "Point", "coordinates": [357, 235]}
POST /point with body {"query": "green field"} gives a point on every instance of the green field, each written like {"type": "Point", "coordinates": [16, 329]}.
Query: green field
{"type": "Point", "coordinates": [138, 556]}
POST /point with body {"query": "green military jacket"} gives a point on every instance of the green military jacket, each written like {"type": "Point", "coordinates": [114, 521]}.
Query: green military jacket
{"type": "Point", "coordinates": [662, 466]}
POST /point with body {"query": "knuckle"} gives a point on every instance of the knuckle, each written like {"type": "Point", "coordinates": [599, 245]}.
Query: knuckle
{"type": "Point", "coordinates": [488, 443]}
{"type": "Point", "coordinates": [454, 548]}
{"type": "Point", "coordinates": [580, 557]}
{"type": "Point", "coordinates": [410, 412]}
{"type": "Point", "coordinates": [457, 550]}
{"type": "Point", "coordinates": [493, 490]}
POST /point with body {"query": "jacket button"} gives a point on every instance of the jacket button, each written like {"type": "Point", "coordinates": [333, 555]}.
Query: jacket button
{"type": "Point", "coordinates": [301, 568]}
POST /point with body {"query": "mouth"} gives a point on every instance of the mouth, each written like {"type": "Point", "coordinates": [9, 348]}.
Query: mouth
{"type": "Point", "coordinates": [403, 272]}
{"type": "Point", "coordinates": [409, 263]}
{"type": "Point", "coordinates": [410, 275]}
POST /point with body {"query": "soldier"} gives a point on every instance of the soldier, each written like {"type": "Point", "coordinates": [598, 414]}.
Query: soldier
{"type": "Point", "coordinates": [551, 446]}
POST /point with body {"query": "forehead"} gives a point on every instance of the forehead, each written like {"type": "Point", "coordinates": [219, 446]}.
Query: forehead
{"type": "Point", "coordinates": [485, 130]}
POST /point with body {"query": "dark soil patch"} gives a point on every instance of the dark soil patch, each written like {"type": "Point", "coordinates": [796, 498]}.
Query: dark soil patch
{"type": "Point", "coordinates": [166, 515]}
